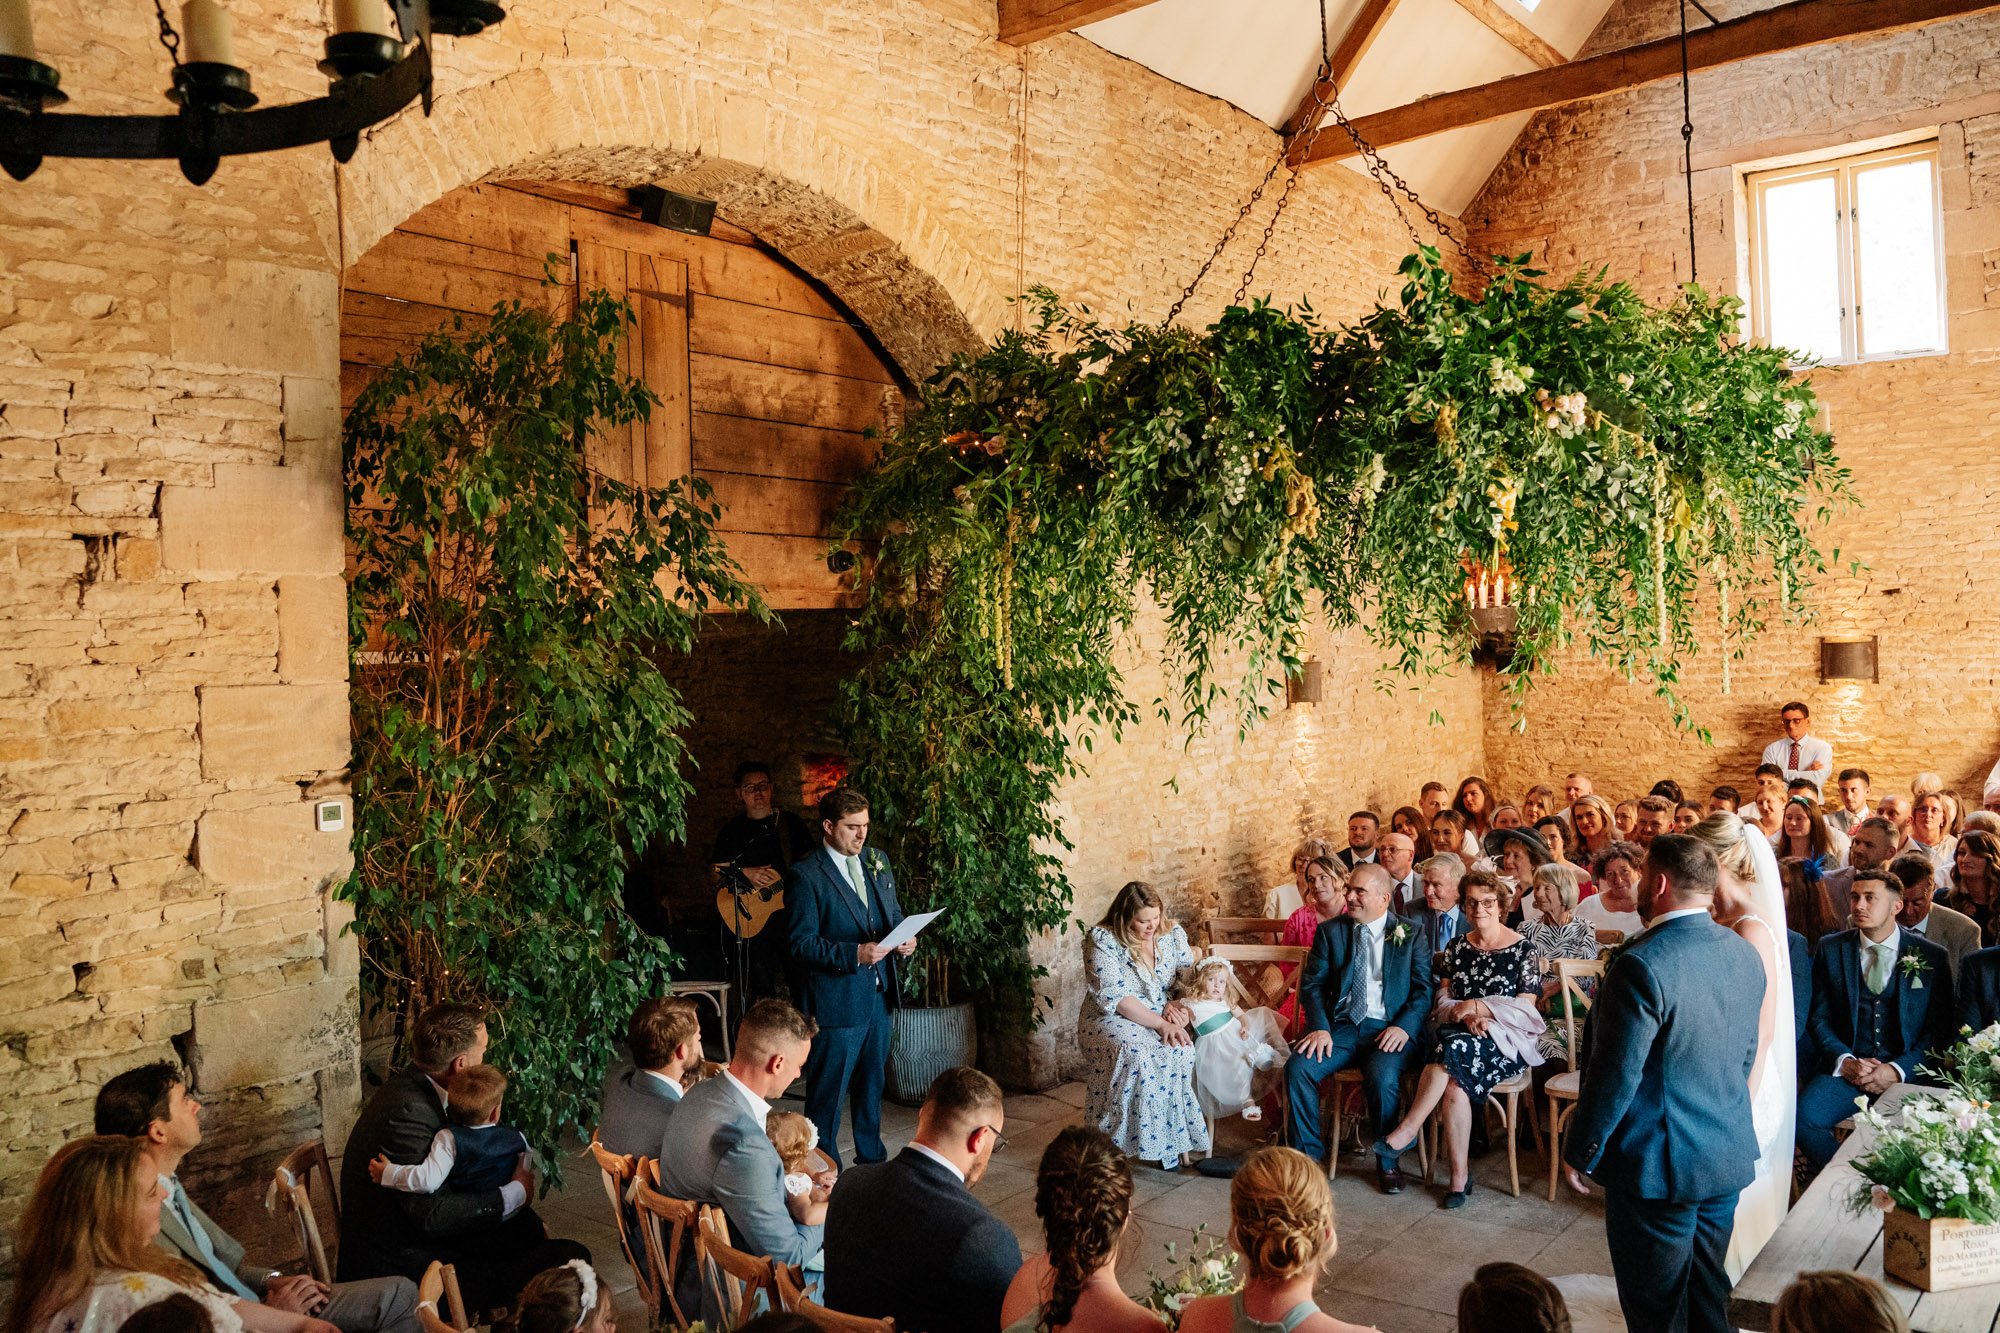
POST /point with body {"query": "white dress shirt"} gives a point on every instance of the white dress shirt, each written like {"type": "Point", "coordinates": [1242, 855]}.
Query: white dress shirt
{"type": "Point", "coordinates": [427, 1176]}
{"type": "Point", "coordinates": [760, 1109]}
{"type": "Point", "coordinates": [939, 1158]}
{"type": "Point", "coordinates": [1811, 749]}
{"type": "Point", "coordinates": [512, 1194]}
{"type": "Point", "coordinates": [1371, 956]}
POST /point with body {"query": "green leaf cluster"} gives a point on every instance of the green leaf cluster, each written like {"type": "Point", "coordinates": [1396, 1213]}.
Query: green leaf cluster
{"type": "Point", "coordinates": [513, 739]}
{"type": "Point", "coordinates": [1619, 460]}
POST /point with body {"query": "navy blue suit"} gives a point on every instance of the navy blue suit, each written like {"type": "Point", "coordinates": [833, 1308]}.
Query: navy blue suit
{"type": "Point", "coordinates": [1913, 1018]}
{"type": "Point", "coordinates": [1978, 989]}
{"type": "Point", "coordinates": [905, 1240]}
{"type": "Point", "coordinates": [1801, 954]}
{"type": "Point", "coordinates": [1663, 1117]}
{"type": "Point", "coordinates": [850, 1002]}
{"type": "Point", "coordinates": [1332, 970]}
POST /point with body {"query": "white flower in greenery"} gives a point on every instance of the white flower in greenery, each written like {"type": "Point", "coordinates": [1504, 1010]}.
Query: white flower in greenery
{"type": "Point", "coordinates": [1378, 474]}
{"type": "Point", "coordinates": [1178, 1301]}
{"type": "Point", "coordinates": [1879, 1196]}
{"type": "Point", "coordinates": [1508, 379]}
{"type": "Point", "coordinates": [1214, 1270]}
{"type": "Point", "coordinates": [1624, 381]}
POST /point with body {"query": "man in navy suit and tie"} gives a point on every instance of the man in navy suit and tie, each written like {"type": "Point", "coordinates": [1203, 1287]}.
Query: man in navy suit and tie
{"type": "Point", "coordinates": [843, 901]}
{"type": "Point", "coordinates": [1663, 1117]}
{"type": "Point", "coordinates": [1881, 1005]}
{"type": "Point", "coordinates": [1364, 991]}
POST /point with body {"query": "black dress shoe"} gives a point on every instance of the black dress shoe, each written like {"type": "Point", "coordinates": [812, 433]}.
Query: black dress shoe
{"type": "Point", "coordinates": [1457, 1198]}
{"type": "Point", "coordinates": [1389, 1179]}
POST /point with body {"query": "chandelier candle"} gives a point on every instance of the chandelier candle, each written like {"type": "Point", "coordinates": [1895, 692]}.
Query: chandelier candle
{"type": "Point", "coordinates": [17, 30]}
{"type": "Point", "coordinates": [369, 16]}
{"type": "Point", "coordinates": [208, 33]}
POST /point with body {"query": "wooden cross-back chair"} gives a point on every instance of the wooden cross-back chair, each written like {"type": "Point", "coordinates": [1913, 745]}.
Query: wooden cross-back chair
{"type": "Point", "coordinates": [664, 1226]}
{"type": "Point", "coordinates": [1244, 929]}
{"type": "Point", "coordinates": [440, 1308]}
{"type": "Point", "coordinates": [791, 1292]}
{"type": "Point", "coordinates": [730, 1276]}
{"type": "Point", "coordinates": [1563, 1089]}
{"type": "Point", "coordinates": [620, 1177]}
{"type": "Point", "coordinates": [292, 1185]}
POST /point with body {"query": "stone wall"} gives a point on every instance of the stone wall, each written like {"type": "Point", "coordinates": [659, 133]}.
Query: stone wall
{"type": "Point", "coordinates": [1600, 184]}
{"type": "Point", "coordinates": [172, 676]}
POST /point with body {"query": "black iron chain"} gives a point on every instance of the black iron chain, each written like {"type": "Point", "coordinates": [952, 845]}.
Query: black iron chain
{"type": "Point", "coordinates": [1326, 98]}
{"type": "Point", "coordinates": [168, 37]}
{"type": "Point", "coordinates": [1687, 134]}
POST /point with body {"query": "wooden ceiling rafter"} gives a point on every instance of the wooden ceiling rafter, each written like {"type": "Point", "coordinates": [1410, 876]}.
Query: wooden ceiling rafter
{"type": "Point", "coordinates": [1025, 21]}
{"type": "Point", "coordinates": [1803, 23]}
{"type": "Point", "coordinates": [1354, 44]}
{"type": "Point", "coordinates": [1502, 23]}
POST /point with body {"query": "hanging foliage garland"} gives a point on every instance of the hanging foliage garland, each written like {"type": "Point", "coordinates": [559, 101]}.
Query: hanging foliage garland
{"type": "Point", "coordinates": [1610, 455]}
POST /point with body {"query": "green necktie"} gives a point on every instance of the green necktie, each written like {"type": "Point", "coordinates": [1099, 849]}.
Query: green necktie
{"type": "Point", "coordinates": [1880, 958]}
{"type": "Point", "coordinates": [853, 865]}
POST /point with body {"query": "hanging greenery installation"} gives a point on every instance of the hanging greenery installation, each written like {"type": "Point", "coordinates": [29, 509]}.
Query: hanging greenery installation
{"type": "Point", "coordinates": [1614, 460]}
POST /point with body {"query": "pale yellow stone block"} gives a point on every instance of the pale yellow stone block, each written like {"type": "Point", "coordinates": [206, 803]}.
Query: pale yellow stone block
{"type": "Point", "coordinates": [268, 520]}
{"type": "Point", "coordinates": [264, 731]}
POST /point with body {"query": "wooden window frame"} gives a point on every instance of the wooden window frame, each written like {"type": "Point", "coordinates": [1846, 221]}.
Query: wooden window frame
{"type": "Point", "coordinates": [1842, 171]}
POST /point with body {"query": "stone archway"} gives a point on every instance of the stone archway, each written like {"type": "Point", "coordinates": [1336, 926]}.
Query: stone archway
{"type": "Point", "coordinates": [849, 224]}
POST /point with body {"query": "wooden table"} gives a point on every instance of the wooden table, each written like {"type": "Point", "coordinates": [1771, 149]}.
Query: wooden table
{"type": "Point", "coordinates": [1819, 1232]}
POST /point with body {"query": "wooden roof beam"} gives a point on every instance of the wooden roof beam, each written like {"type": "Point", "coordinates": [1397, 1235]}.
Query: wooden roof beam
{"type": "Point", "coordinates": [1786, 28]}
{"type": "Point", "coordinates": [1354, 44]}
{"type": "Point", "coordinates": [1511, 30]}
{"type": "Point", "coordinates": [1025, 21]}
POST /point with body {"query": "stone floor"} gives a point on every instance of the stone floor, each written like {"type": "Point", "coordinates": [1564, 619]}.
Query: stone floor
{"type": "Point", "coordinates": [1421, 1255]}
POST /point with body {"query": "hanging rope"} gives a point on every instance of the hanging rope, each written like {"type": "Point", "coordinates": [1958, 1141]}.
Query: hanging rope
{"type": "Point", "coordinates": [1687, 133]}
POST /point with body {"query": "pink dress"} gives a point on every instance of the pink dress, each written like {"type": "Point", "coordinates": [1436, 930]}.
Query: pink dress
{"type": "Point", "coordinates": [1300, 927]}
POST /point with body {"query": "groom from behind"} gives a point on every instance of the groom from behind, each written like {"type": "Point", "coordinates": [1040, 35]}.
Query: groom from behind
{"type": "Point", "coordinates": [1663, 1118]}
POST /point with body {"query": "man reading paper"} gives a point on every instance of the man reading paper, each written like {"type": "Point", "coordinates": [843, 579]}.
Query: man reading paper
{"type": "Point", "coordinates": [843, 906]}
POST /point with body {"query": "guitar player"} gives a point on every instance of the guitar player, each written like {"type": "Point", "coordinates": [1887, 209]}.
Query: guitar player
{"type": "Point", "coordinates": [762, 842]}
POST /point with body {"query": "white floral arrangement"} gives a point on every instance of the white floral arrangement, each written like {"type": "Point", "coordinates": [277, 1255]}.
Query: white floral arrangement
{"type": "Point", "coordinates": [1938, 1155]}
{"type": "Point", "coordinates": [1208, 1270]}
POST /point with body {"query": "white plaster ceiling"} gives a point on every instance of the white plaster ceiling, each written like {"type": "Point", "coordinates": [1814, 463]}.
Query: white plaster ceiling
{"type": "Point", "coordinates": [1261, 55]}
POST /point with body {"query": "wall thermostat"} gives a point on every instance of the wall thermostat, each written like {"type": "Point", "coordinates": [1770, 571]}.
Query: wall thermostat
{"type": "Point", "coordinates": [329, 816]}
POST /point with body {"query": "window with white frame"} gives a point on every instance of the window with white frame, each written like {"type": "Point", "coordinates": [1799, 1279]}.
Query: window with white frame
{"type": "Point", "coordinates": [1848, 256]}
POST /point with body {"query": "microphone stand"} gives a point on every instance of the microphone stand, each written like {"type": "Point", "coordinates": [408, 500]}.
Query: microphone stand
{"type": "Point", "coordinates": [737, 883]}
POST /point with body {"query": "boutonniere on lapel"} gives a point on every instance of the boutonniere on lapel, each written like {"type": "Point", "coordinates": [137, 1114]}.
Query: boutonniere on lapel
{"type": "Point", "coordinates": [1914, 966]}
{"type": "Point", "coordinates": [874, 860]}
{"type": "Point", "coordinates": [1401, 934]}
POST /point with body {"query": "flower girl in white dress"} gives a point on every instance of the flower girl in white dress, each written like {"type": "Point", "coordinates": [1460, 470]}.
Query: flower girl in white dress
{"type": "Point", "coordinates": [1237, 1052]}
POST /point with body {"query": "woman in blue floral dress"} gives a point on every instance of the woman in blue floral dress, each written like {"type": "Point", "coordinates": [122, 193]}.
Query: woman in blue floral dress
{"type": "Point", "coordinates": [1141, 1054]}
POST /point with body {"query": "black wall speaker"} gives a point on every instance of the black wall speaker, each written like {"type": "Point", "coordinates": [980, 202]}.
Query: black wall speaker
{"type": "Point", "coordinates": [675, 212]}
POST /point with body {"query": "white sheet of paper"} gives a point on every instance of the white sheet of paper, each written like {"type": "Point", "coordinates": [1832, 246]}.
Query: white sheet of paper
{"type": "Point", "coordinates": [909, 928]}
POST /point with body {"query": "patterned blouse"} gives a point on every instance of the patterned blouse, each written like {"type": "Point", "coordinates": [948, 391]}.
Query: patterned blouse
{"type": "Point", "coordinates": [114, 1297]}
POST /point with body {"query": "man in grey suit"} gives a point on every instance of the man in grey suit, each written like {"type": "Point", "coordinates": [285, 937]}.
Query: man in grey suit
{"type": "Point", "coordinates": [641, 1094]}
{"type": "Point", "coordinates": [1663, 1117]}
{"type": "Point", "coordinates": [1954, 932]}
{"type": "Point", "coordinates": [153, 1103]}
{"type": "Point", "coordinates": [715, 1149]}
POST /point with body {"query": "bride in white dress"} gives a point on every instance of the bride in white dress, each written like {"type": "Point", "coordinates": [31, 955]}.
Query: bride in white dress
{"type": "Point", "coordinates": [1750, 901]}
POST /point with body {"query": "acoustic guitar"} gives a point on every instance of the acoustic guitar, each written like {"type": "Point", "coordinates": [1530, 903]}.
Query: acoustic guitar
{"type": "Point", "coordinates": [758, 906]}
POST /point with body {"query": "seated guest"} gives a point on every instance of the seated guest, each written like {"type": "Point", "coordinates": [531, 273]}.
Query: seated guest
{"type": "Point", "coordinates": [1809, 907]}
{"type": "Point", "coordinates": [1954, 932]}
{"type": "Point", "coordinates": [1978, 990]}
{"type": "Point", "coordinates": [1836, 1300]}
{"type": "Point", "coordinates": [1364, 992]}
{"type": "Point", "coordinates": [492, 1237]}
{"type": "Point", "coordinates": [952, 1261]}
{"type": "Point", "coordinates": [1686, 816]}
{"type": "Point", "coordinates": [1625, 819]}
{"type": "Point", "coordinates": [1800, 787]}
{"type": "Point", "coordinates": [1553, 935]}
{"type": "Point", "coordinates": [474, 1152]}
{"type": "Point", "coordinates": [1930, 835]}
{"type": "Point", "coordinates": [1975, 880]}
{"type": "Point", "coordinates": [1486, 1029]}
{"type": "Point", "coordinates": [1507, 815]}
{"type": "Point", "coordinates": [1556, 836]}
{"type": "Point", "coordinates": [1769, 803]}
{"type": "Point", "coordinates": [1538, 804]}
{"type": "Point", "coordinates": [1441, 920]}
{"type": "Point", "coordinates": [1410, 822]}
{"type": "Point", "coordinates": [1724, 799]}
{"type": "Point", "coordinates": [1327, 900]}
{"type": "Point", "coordinates": [1397, 854]}
{"type": "Point", "coordinates": [1668, 789]}
{"type": "Point", "coordinates": [569, 1299]}
{"type": "Point", "coordinates": [152, 1104]}
{"type": "Point", "coordinates": [1853, 793]}
{"type": "Point", "coordinates": [1083, 1196]}
{"type": "Point", "coordinates": [715, 1149]}
{"type": "Point", "coordinates": [1363, 827]}
{"type": "Point", "coordinates": [1449, 834]}
{"type": "Point", "coordinates": [1982, 821]}
{"type": "Point", "coordinates": [1656, 816]}
{"type": "Point", "coordinates": [84, 1258]}
{"type": "Point", "coordinates": [1803, 832]}
{"type": "Point", "coordinates": [1596, 827]}
{"type": "Point", "coordinates": [1474, 804]}
{"type": "Point", "coordinates": [664, 1037]}
{"type": "Point", "coordinates": [1896, 809]}
{"type": "Point", "coordinates": [1869, 847]}
{"type": "Point", "coordinates": [1430, 800]}
{"type": "Point", "coordinates": [1281, 1222]}
{"type": "Point", "coordinates": [1284, 899]}
{"type": "Point", "coordinates": [1615, 905]}
{"type": "Point", "coordinates": [1139, 1084]}
{"type": "Point", "coordinates": [1508, 1298]}
{"type": "Point", "coordinates": [1516, 854]}
{"type": "Point", "coordinates": [1576, 786]}
{"type": "Point", "coordinates": [1881, 1005]}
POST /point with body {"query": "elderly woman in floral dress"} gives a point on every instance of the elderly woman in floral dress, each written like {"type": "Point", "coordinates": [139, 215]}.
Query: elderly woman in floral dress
{"type": "Point", "coordinates": [1140, 1088]}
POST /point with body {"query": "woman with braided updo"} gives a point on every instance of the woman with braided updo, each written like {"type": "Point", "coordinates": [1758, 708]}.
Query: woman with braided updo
{"type": "Point", "coordinates": [1281, 1222]}
{"type": "Point", "coordinates": [1083, 1194]}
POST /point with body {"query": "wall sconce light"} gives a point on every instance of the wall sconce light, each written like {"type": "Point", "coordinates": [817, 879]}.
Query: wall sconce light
{"type": "Point", "coordinates": [1303, 686]}
{"type": "Point", "coordinates": [1848, 659]}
